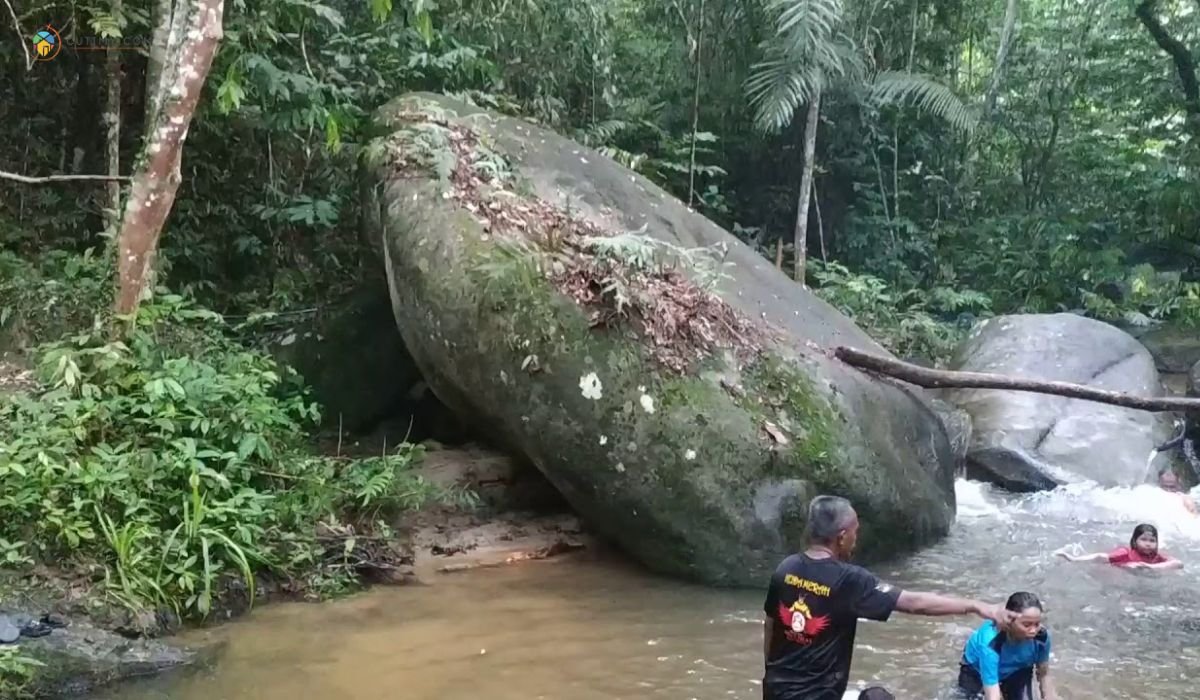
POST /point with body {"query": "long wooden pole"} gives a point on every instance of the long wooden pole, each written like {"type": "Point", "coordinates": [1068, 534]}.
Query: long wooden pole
{"type": "Point", "coordinates": [949, 379]}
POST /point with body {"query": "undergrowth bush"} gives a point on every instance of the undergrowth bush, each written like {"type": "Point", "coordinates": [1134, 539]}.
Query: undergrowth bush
{"type": "Point", "coordinates": [180, 461]}
{"type": "Point", "coordinates": [912, 323]}
{"type": "Point", "coordinates": [58, 294]}
{"type": "Point", "coordinates": [1158, 296]}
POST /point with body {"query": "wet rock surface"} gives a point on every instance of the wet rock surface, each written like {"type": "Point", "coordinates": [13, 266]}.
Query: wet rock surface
{"type": "Point", "coordinates": [78, 657]}
{"type": "Point", "coordinates": [1025, 441]}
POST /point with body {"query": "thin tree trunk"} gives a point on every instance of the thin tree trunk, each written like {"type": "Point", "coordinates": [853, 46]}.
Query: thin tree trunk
{"type": "Point", "coordinates": [112, 136]}
{"type": "Point", "coordinates": [912, 52]}
{"type": "Point", "coordinates": [696, 107]}
{"type": "Point", "coordinates": [820, 224]}
{"type": "Point", "coordinates": [189, 59]}
{"type": "Point", "coordinates": [1006, 40]}
{"type": "Point", "coordinates": [883, 198]}
{"type": "Point", "coordinates": [947, 379]}
{"type": "Point", "coordinates": [806, 185]}
{"type": "Point", "coordinates": [779, 253]}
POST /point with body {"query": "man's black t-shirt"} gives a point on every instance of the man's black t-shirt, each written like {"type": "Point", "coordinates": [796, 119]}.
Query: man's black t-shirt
{"type": "Point", "coordinates": [816, 604]}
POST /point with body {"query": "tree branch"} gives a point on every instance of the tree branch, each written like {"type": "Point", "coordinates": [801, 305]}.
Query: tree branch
{"type": "Point", "coordinates": [1185, 64]}
{"type": "Point", "coordinates": [946, 379]}
{"type": "Point", "coordinates": [20, 35]}
{"type": "Point", "coordinates": [5, 175]}
{"type": "Point", "coordinates": [1006, 40]}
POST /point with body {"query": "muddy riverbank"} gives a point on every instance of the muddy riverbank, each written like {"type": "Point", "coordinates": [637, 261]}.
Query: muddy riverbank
{"type": "Point", "coordinates": [510, 516]}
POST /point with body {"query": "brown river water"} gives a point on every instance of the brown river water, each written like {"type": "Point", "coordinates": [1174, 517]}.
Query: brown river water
{"type": "Point", "coordinates": [594, 627]}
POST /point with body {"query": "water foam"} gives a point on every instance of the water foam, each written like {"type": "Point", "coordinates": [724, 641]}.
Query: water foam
{"type": "Point", "coordinates": [1112, 511]}
{"type": "Point", "coordinates": [976, 500]}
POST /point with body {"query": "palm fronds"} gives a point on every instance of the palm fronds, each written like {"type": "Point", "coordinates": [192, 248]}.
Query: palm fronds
{"type": "Point", "coordinates": [925, 93]}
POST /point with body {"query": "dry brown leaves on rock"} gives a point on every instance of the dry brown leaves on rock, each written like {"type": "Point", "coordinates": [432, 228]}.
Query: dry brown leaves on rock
{"type": "Point", "coordinates": [681, 322]}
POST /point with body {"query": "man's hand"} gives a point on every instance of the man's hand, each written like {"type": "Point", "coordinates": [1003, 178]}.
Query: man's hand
{"type": "Point", "coordinates": [995, 613]}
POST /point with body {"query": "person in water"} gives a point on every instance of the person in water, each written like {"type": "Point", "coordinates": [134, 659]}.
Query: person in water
{"type": "Point", "coordinates": [1000, 661]}
{"type": "Point", "coordinates": [1142, 552]}
{"type": "Point", "coordinates": [815, 598]}
{"type": "Point", "coordinates": [1168, 481]}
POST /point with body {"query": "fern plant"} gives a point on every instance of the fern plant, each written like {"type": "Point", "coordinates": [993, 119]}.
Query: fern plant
{"type": "Point", "coordinates": [638, 251]}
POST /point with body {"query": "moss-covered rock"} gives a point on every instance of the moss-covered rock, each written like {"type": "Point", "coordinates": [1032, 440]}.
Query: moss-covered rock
{"type": "Point", "coordinates": [702, 473]}
{"type": "Point", "coordinates": [83, 652]}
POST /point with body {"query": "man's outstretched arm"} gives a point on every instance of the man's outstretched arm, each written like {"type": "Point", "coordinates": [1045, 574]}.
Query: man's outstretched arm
{"type": "Point", "coordinates": [933, 604]}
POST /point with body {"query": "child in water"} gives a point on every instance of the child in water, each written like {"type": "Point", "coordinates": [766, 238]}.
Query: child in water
{"type": "Point", "coordinates": [999, 663]}
{"type": "Point", "coordinates": [1142, 552]}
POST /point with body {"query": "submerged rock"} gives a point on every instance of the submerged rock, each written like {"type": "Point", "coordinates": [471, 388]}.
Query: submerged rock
{"type": "Point", "coordinates": [1025, 441]}
{"type": "Point", "coordinates": [687, 417]}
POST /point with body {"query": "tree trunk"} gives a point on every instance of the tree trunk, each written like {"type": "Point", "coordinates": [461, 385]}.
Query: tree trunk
{"type": "Point", "coordinates": [1185, 63]}
{"type": "Point", "coordinates": [1006, 39]}
{"type": "Point", "coordinates": [696, 107]}
{"type": "Point", "coordinates": [946, 379]}
{"type": "Point", "coordinates": [188, 59]}
{"type": "Point", "coordinates": [112, 135]}
{"type": "Point", "coordinates": [163, 20]}
{"type": "Point", "coordinates": [820, 223]}
{"type": "Point", "coordinates": [806, 185]}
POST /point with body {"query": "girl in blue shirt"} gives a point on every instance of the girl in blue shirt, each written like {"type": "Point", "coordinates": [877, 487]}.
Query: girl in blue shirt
{"type": "Point", "coordinates": [999, 663]}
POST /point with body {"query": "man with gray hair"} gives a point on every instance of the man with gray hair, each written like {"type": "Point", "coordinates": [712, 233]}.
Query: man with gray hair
{"type": "Point", "coordinates": [815, 599]}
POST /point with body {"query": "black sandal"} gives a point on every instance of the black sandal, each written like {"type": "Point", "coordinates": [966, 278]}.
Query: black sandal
{"type": "Point", "coordinates": [53, 621]}
{"type": "Point", "coordinates": [35, 629]}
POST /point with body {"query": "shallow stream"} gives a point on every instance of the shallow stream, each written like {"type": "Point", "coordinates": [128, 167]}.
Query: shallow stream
{"type": "Point", "coordinates": [596, 628]}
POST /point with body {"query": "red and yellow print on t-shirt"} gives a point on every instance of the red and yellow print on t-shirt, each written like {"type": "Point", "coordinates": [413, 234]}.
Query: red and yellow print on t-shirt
{"type": "Point", "coordinates": [800, 626]}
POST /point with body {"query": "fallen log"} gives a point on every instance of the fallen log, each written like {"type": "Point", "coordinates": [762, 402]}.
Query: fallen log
{"type": "Point", "coordinates": [950, 379]}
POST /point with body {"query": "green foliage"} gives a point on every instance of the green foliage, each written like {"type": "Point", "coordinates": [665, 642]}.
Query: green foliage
{"type": "Point", "coordinates": [923, 92]}
{"type": "Point", "coordinates": [58, 294]}
{"type": "Point", "coordinates": [1161, 297]}
{"type": "Point", "coordinates": [16, 671]}
{"type": "Point", "coordinates": [910, 324]}
{"type": "Point", "coordinates": [180, 461]}
{"type": "Point", "coordinates": [1085, 167]}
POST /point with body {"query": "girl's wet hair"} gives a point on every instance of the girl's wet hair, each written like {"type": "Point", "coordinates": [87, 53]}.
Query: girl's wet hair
{"type": "Point", "coordinates": [1143, 529]}
{"type": "Point", "coordinates": [1022, 600]}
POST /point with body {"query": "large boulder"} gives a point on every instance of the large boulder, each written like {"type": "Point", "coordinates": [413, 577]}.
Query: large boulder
{"type": "Point", "coordinates": [689, 427]}
{"type": "Point", "coordinates": [1027, 441]}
